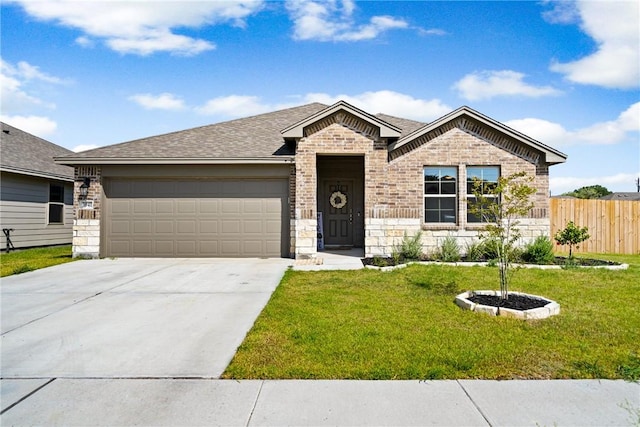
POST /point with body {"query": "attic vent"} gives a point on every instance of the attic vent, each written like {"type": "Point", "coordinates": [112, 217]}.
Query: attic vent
{"type": "Point", "coordinates": [6, 131]}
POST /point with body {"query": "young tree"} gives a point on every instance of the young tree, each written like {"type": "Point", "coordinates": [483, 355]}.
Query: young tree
{"type": "Point", "coordinates": [500, 206]}
{"type": "Point", "coordinates": [571, 235]}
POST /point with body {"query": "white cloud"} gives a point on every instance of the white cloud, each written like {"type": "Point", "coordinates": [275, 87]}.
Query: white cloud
{"type": "Point", "coordinates": [384, 101]}
{"type": "Point", "coordinates": [235, 106]}
{"type": "Point", "coordinates": [16, 84]}
{"type": "Point", "coordinates": [164, 101]}
{"type": "Point", "coordinates": [388, 102]}
{"type": "Point", "coordinates": [608, 132]}
{"type": "Point", "coordinates": [84, 147]}
{"type": "Point", "coordinates": [614, 27]}
{"type": "Point", "coordinates": [35, 125]}
{"type": "Point", "coordinates": [618, 182]}
{"type": "Point", "coordinates": [332, 20]}
{"type": "Point", "coordinates": [142, 27]}
{"type": "Point", "coordinates": [489, 84]}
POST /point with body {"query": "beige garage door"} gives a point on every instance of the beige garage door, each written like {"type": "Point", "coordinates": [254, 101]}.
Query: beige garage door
{"type": "Point", "coordinates": [195, 218]}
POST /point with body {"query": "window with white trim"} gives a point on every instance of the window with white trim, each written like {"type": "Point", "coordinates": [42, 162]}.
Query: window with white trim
{"type": "Point", "coordinates": [56, 204]}
{"type": "Point", "coordinates": [440, 194]}
{"type": "Point", "coordinates": [488, 179]}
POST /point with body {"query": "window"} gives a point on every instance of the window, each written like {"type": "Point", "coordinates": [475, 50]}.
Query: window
{"type": "Point", "coordinates": [488, 176]}
{"type": "Point", "coordinates": [56, 204]}
{"type": "Point", "coordinates": [440, 195]}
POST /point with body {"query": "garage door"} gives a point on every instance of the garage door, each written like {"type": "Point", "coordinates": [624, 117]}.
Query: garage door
{"type": "Point", "coordinates": [195, 218]}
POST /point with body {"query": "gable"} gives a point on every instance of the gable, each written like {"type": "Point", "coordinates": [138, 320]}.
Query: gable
{"type": "Point", "coordinates": [346, 115]}
{"type": "Point", "coordinates": [484, 128]}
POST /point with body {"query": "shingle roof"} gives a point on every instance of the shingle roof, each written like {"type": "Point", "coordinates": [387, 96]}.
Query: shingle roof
{"type": "Point", "coordinates": [21, 152]}
{"type": "Point", "coordinates": [406, 125]}
{"type": "Point", "coordinates": [622, 195]}
{"type": "Point", "coordinates": [247, 138]}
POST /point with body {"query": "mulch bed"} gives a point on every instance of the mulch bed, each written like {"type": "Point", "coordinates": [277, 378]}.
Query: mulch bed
{"type": "Point", "coordinates": [515, 302]}
{"type": "Point", "coordinates": [585, 262]}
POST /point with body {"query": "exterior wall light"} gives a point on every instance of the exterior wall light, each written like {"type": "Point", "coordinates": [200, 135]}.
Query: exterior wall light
{"type": "Point", "coordinates": [84, 188]}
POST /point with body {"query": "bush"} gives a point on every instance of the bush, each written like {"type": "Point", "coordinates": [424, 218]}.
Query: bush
{"type": "Point", "coordinates": [448, 251]}
{"type": "Point", "coordinates": [540, 251]}
{"type": "Point", "coordinates": [475, 251]}
{"type": "Point", "coordinates": [411, 247]}
{"type": "Point", "coordinates": [490, 249]}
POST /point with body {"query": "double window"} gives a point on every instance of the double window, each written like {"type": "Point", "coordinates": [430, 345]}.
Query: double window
{"type": "Point", "coordinates": [56, 204]}
{"type": "Point", "coordinates": [441, 191]}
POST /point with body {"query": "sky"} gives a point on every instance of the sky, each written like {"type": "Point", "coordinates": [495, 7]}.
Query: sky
{"type": "Point", "coordinates": [84, 74]}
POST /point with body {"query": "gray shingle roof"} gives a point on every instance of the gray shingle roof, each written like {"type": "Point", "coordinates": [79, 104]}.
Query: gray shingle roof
{"type": "Point", "coordinates": [247, 138]}
{"type": "Point", "coordinates": [622, 195]}
{"type": "Point", "coordinates": [21, 152]}
{"type": "Point", "coordinates": [406, 125]}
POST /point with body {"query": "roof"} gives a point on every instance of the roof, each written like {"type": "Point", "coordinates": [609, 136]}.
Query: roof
{"type": "Point", "coordinates": [246, 140]}
{"type": "Point", "coordinates": [263, 138]}
{"type": "Point", "coordinates": [551, 155]}
{"type": "Point", "coordinates": [28, 154]}
{"type": "Point", "coordinates": [621, 196]}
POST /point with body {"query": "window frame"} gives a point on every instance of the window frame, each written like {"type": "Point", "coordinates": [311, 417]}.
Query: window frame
{"type": "Point", "coordinates": [55, 205]}
{"type": "Point", "coordinates": [441, 195]}
{"type": "Point", "coordinates": [473, 219]}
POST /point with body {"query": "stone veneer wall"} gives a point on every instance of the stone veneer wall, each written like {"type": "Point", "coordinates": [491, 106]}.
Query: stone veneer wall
{"type": "Point", "coordinates": [86, 223]}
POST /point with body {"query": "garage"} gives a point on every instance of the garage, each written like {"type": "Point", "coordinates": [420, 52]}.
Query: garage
{"type": "Point", "coordinates": [189, 217]}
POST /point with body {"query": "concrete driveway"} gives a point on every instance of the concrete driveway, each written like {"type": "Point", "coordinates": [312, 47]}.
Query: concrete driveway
{"type": "Point", "coordinates": [132, 318]}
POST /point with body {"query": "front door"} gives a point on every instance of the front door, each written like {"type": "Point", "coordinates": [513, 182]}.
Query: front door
{"type": "Point", "coordinates": [338, 213]}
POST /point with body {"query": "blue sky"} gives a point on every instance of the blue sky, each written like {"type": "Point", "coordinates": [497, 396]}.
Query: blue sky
{"type": "Point", "coordinates": [84, 74]}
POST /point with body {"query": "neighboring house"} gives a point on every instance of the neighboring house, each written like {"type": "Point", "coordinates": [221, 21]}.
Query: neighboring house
{"type": "Point", "coordinates": [254, 187]}
{"type": "Point", "coordinates": [36, 194]}
{"type": "Point", "coordinates": [621, 196]}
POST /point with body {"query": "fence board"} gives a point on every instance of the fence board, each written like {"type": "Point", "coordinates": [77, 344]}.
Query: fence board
{"type": "Point", "coordinates": [614, 225]}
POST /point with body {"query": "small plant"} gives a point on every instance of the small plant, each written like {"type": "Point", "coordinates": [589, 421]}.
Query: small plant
{"type": "Point", "coordinates": [540, 251]}
{"type": "Point", "coordinates": [396, 257]}
{"type": "Point", "coordinates": [475, 252]}
{"type": "Point", "coordinates": [378, 261]}
{"type": "Point", "coordinates": [490, 249]}
{"type": "Point", "coordinates": [572, 235]}
{"type": "Point", "coordinates": [448, 250]}
{"type": "Point", "coordinates": [411, 247]}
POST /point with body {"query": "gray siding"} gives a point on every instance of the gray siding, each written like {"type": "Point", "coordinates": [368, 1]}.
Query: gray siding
{"type": "Point", "coordinates": [24, 207]}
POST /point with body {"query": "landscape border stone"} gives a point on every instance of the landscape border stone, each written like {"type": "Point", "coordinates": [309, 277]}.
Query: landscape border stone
{"type": "Point", "coordinates": [485, 264]}
{"type": "Point", "coordinates": [552, 308]}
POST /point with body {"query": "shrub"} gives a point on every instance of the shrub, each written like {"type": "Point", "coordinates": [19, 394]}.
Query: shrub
{"type": "Point", "coordinates": [475, 251]}
{"type": "Point", "coordinates": [448, 250]}
{"type": "Point", "coordinates": [490, 249]}
{"type": "Point", "coordinates": [572, 235]}
{"type": "Point", "coordinates": [22, 269]}
{"type": "Point", "coordinates": [540, 251]}
{"type": "Point", "coordinates": [411, 247]}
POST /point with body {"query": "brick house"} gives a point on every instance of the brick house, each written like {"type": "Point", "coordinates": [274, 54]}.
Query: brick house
{"type": "Point", "coordinates": [265, 185]}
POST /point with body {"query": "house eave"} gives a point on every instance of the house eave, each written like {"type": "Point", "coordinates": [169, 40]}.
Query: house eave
{"type": "Point", "coordinates": [37, 174]}
{"type": "Point", "coordinates": [71, 161]}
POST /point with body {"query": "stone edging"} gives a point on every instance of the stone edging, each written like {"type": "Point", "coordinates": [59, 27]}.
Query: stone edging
{"type": "Point", "coordinates": [551, 309]}
{"type": "Point", "coordinates": [484, 264]}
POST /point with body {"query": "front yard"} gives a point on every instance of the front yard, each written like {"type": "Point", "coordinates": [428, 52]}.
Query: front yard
{"type": "Point", "coordinates": [404, 325]}
{"type": "Point", "coordinates": [24, 260]}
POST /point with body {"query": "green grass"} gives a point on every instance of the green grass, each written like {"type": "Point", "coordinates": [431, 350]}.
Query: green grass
{"type": "Point", "coordinates": [403, 324]}
{"type": "Point", "coordinates": [25, 260]}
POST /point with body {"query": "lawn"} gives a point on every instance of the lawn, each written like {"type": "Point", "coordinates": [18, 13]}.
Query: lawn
{"type": "Point", "coordinates": [21, 261]}
{"type": "Point", "coordinates": [367, 324]}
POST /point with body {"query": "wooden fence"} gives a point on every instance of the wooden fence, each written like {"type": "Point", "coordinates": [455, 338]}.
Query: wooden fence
{"type": "Point", "coordinates": [614, 225]}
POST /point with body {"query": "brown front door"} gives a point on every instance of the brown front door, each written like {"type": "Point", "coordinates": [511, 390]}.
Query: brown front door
{"type": "Point", "coordinates": [338, 213]}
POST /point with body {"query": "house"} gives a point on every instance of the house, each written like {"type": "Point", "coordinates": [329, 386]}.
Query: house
{"type": "Point", "coordinates": [36, 194]}
{"type": "Point", "coordinates": [622, 195]}
{"type": "Point", "coordinates": [257, 186]}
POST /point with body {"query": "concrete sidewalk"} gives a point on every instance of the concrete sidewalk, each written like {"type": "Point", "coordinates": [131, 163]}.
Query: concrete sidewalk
{"type": "Point", "coordinates": [319, 403]}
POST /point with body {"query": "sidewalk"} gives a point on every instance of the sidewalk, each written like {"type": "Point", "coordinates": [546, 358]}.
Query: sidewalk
{"type": "Point", "coordinates": [319, 403]}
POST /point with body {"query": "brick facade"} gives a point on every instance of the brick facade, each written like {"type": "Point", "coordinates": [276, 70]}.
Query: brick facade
{"type": "Point", "coordinates": [394, 184]}
{"type": "Point", "coordinates": [86, 222]}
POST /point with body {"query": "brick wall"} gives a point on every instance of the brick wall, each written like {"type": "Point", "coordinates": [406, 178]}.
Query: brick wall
{"type": "Point", "coordinates": [86, 222]}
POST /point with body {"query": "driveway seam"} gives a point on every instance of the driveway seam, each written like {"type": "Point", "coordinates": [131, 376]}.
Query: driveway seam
{"type": "Point", "coordinates": [474, 403]}
{"type": "Point", "coordinates": [28, 395]}
{"type": "Point", "coordinates": [85, 299]}
{"type": "Point", "coordinates": [255, 403]}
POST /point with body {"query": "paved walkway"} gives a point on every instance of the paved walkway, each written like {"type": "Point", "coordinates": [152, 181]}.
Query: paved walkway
{"type": "Point", "coordinates": [318, 403]}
